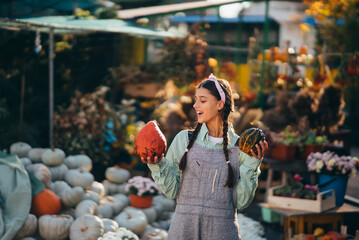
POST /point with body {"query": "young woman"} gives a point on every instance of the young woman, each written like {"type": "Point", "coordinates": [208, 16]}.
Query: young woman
{"type": "Point", "coordinates": [205, 170]}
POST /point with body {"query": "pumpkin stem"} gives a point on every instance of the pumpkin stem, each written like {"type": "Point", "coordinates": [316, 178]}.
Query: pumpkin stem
{"type": "Point", "coordinates": [128, 216]}
{"type": "Point", "coordinates": [84, 229]}
{"type": "Point", "coordinates": [53, 148]}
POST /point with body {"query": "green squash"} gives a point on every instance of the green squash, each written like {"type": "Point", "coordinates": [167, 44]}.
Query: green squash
{"type": "Point", "coordinates": [249, 138]}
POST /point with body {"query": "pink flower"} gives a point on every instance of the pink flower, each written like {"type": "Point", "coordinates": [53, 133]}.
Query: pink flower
{"type": "Point", "coordinates": [297, 177]}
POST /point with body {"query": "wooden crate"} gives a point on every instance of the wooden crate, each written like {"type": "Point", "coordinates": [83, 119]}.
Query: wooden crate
{"type": "Point", "coordinates": [319, 205]}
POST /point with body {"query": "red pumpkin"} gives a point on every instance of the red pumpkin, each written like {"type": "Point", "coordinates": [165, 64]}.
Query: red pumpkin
{"type": "Point", "coordinates": [249, 138]}
{"type": "Point", "coordinates": [150, 141]}
{"type": "Point", "coordinates": [45, 202]}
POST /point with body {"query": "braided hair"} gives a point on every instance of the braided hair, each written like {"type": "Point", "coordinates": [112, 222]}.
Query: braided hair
{"type": "Point", "coordinates": [224, 112]}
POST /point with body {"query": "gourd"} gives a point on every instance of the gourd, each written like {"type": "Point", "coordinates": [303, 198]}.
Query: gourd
{"type": "Point", "coordinates": [116, 205]}
{"type": "Point", "coordinates": [79, 177]}
{"type": "Point", "coordinates": [86, 207]}
{"type": "Point", "coordinates": [45, 202]}
{"type": "Point", "coordinates": [53, 157]}
{"type": "Point", "coordinates": [35, 154]}
{"type": "Point", "coordinates": [121, 233]}
{"type": "Point", "coordinates": [105, 210]}
{"type": "Point", "coordinates": [122, 198]}
{"type": "Point", "coordinates": [150, 213]}
{"type": "Point", "coordinates": [113, 188]}
{"type": "Point", "coordinates": [20, 149]}
{"type": "Point", "coordinates": [152, 233]}
{"type": "Point", "coordinates": [58, 172]}
{"type": "Point", "coordinates": [109, 225]}
{"type": "Point", "coordinates": [26, 161]}
{"type": "Point", "coordinates": [150, 141]}
{"type": "Point", "coordinates": [99, 188]}
{"type": "Point", "coordinates": [117, 175]}
{"type": "Point", "coordinates": [55, 227]}
{"type": "Point", "coordinates": [87, 227]}
{"type": "Point", "coordinates": [249, 138]}
{"type": "Point", "coordinates": [133, 220]}
{"type": "Point", "coordinates": [41, 172]}
{"type": "Point", "coordinates": [70, 197]}
{"type": "Point", "coordinates": [91, 195]}
{"type": "Point", "coordinates": [77, 161]}
{"type": "Point", "coordinates": [29, 227]}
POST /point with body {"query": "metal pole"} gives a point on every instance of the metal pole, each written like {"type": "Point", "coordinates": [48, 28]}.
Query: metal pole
{"type": "Point", "coordinates": [265, 46]}
{"type": "Point", "coordinates": [51, 85]}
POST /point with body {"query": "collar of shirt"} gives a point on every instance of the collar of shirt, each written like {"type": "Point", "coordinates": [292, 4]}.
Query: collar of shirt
{"type": "Point", "coordinates": [203, 135]}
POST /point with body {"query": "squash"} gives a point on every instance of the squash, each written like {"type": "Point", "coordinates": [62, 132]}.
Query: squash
{"type": "Point", "coordinates": [79, 177]}
{"type": "Point", "coordinates": [99, 188]}
{"type": "Point", "coordinates": [105, 210]}
{"type": "Point", "coordinates": [310, 237]}
{"type": "Point", "coordinates": [78, 161]}
{"type": "Point", "coordinates": [45, 202]}
{"type": "Point", "coordinates": [86, 207]}
{"type": "Point", "coordinates": [87, 227]}
{"type": "Point", "coordinates": [55, 227]}
{"type": "Point", "coordinates": [41, 172]}
{"type": "Point", "coordinates": [153, 233]}
{"type": "Point", "coordinates": [20, 149]}
{"type": "Point", "coordinates": [150, 213]}
{"type": "Point", "coordinates": [121, 233]}
{"type": "Point", "coordinates": [248, 140]}
{"type": "Point", "coordinates": [70, 197]}
{"type": "Point", "coordinates": [35, 154]}
{"type": "Point", "coordinates": [53, 157]}
{"type": "Point", "coordinates": [132, 219]}
{"type": "Point", "coordinates": [91, 195]}
{"type": "Point", "coordinates": [29, 227]}
{"type": "Point", "coordinates": [109, 225]}
{"type": "Point", "coordinates": [26, 161]}
{"type": "Point", "coordinates": [58, 172]}
{"type": "Point", "coordinates": [150, 141]}
{"type": "Point", "coordinates": [116, 205]}
{"type": "Point", "coordinates": [113, 188]}
{"type": "Point", "coordinates": [117, 175]}
{"type": "Point", "coordinates": [122, 198]}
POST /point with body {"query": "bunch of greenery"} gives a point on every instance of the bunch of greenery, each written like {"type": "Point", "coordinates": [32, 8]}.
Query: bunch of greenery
{"type": "Point", "coordinates": [296, 188]}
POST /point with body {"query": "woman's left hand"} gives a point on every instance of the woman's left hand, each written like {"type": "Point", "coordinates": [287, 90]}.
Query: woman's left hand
{"type": "Point", "coordinates": [260, 149]}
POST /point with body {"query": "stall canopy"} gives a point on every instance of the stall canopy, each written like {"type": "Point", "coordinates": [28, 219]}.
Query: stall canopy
{"type": "Point", "coordinates": [70, 24]}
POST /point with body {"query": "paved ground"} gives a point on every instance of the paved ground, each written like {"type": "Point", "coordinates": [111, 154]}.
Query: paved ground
{"type": "Point", "coordinates": [275, 231]}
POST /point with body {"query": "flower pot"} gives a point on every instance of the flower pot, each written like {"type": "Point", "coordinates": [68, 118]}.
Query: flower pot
{"type": "Point", "coordinates": [283, 152]}
{"type": "Point", "coordinates": [310, 148]}
{"type": "Point", "coordinates": [141, 202]}
{"type": "Point", "coordinates": [338, 183]}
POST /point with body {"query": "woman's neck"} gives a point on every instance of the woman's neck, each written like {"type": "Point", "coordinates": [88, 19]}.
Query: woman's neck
{"type": "Point", "coordinates": [215, 128]}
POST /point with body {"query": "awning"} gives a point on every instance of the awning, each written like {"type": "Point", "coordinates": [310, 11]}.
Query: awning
{"type": "Point", "coordinates": [215, 19]}
{"type": "Point", "coordinates": [70, 24]}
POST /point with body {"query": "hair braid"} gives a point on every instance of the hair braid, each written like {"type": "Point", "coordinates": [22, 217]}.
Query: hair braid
{"type": "Point", "coordinates": [230, 180]}
{"type": "Point", "coordinates": [183, 162]}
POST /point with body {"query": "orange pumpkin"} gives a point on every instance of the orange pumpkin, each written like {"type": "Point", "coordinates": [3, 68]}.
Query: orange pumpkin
{"type": "Point", "coordinates": [150, 141]}
{"type": "Point", "coordinates": [249, 138]}
{"type": "Point", "coordinates": [309, 237]}
{"type": "Point", "coordinates": [45, 202]}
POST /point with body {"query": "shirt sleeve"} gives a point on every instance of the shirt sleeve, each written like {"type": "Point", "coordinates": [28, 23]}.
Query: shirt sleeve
{"type": "Point", "coordinates": [166, 173]}
{"type": "Point", "coordinates": [248, 182]}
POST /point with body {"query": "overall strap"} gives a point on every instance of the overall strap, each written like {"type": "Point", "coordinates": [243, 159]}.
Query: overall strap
{"type": "Point", "coordinates": [190, 133]}
{"type": "Point", "coordinates": [237, 143]}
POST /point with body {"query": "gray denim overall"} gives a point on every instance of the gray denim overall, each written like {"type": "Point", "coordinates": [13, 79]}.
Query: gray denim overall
{"type": "Point", "coordinates": [206, 209]}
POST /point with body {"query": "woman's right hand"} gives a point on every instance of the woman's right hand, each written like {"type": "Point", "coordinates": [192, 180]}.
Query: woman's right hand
{"type": "Point", "coordinates": [150, 160]}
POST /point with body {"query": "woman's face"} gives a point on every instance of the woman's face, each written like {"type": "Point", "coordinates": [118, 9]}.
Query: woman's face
{"type": "Point", "coordinates": [206, 105]}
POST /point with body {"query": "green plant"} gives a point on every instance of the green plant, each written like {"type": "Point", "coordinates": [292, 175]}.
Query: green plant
{"type": "Point", "coordinates": [312, 138]}
{"type": "Point", "coordinates": [287, 137]}
{"type": "Point", "coordinates": [296, 188]}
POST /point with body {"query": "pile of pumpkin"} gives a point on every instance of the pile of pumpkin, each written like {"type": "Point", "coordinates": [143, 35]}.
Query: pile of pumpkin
{"type": "Point", "coordinates": [75, 206]}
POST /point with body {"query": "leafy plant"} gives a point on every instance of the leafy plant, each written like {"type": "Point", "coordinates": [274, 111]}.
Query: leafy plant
{"type": "Point", "coordinates": [311, 138]}
{"type": "Point", "coordinates": [142, 186]}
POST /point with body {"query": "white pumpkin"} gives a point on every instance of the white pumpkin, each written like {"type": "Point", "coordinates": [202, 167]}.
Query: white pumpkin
{"type": "Point", "coordinates": [152, 233]}
{"type": "Point", "coordinates": [151, 214]}
{"type": "Point", "coordinates": [109, 225]}
{"type": "Point", "coordinates": [117, 205]}
{"type": "Point", "coordinates": [41, 172]}
{"type": "Point", "coordinates": [133, 220]}
{"type": "Point", "coordinates": [105, 210]}
{"type": "Point", "coordinates": [53, 157]}
{"type": "Point", "coordinates": [55, 227]}
{"type": "Point", "coordinates": [29, 227]}
{"type": "Point", "coordinates": [26, 161]}
{"type": "Point", "coordinates": [99, 188]}
{"type": "Point", "coordinates": [121, 233]}
{"type": "Point", "coordinates": [70, 197]}
{"type": "Point", "coordinates": [77, 161]}
{"type": "Point", "coordinates": [35, 154]}
{"type": "Point", "coordinates": [122, 198]}
{"type": "Point", "coordinates": [68, 211]}
{"type": "Point", "coordinates": [91, 195]}
{"type": "Point", "coordinates": [86, 227]}
{"type": "Point", "coordinates": [58, 172]}
{"type": "Point", "coordinates": [117, 175]}
{"type": "Point", "coordinates": [86, 207]}
{"type": "Point", "coordinates": [113, 188]}
{"type": "Point", "coordinates": [79, 177]}
{"type": "Point", "coordinates": [167, 204]}
{"type": "Point", "coordinates": [166, 220]}
{"type": "Point", "coordinates": [20, 149]}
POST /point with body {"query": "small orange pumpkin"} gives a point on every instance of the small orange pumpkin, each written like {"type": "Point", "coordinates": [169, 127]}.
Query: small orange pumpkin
{"type": "Point", "coordinates": [249, 138]}
{"type": "Point", "coordinates": [45, 202]}
{"type": "Point", "coordinates": [150, 141]}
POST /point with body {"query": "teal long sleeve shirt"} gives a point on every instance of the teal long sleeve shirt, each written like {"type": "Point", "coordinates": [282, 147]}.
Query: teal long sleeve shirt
{"type": "Point", "coordinates": [167, 174]}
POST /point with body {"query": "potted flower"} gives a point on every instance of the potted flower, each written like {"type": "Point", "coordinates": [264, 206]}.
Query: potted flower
{"type": "Point", "coordinates": [141, 191]}
{"type": "Point", "coordinates": [285, 145]}
{"type": "Point", "coordinates": [312, 143]}
{"type": "Point", "coordinates": [333, 172]}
